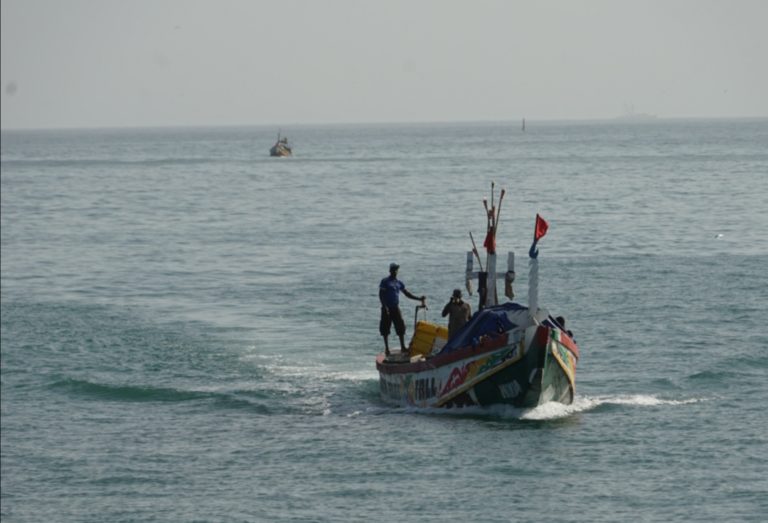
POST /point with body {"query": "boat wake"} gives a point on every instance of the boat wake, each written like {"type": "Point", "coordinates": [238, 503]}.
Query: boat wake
{"type": "Point", "coordinates": [354, 392]}
{"type": "Point", "coordinates": [642, 400]}
{"type": "Point", "coordinates": [554, 410]}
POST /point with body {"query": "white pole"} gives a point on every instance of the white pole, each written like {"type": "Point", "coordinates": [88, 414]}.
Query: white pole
{"type": "Point", "coordinates": [493, 299]}
{"type": "Point", "coordinates": [533, 287]}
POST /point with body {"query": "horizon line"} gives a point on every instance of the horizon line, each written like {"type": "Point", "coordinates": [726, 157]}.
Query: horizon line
{"type": "Point", "coordinates": [640, 118]}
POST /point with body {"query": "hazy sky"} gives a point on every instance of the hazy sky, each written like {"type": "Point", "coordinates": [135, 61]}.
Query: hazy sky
{"type": "Point", "coordinates": [115, 63]}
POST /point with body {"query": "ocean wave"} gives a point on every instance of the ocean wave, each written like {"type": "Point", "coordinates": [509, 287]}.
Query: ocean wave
{"type": "Point", "coordinates": [147, 393]}
{"type": "Point", "coordinates": [126, 392]}
{"type": "Point", "coordinates": [109, 162]}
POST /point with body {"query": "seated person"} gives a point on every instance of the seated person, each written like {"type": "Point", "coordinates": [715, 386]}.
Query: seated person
{"type": "Point", "coordinates": [460, 312]}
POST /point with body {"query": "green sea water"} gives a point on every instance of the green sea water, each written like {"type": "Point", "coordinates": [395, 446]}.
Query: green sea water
{"type": "Point", "coordinates": [189, 326]}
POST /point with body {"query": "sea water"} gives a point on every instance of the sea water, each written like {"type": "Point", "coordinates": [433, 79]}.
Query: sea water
{"type": "Point", "coordinates": [189, 326]}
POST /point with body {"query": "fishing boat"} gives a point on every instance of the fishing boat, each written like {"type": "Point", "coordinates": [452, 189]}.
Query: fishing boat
{"type": "Point", "coordinates": [281, 147]}
{"type": "Point", "coordinates": [506, 354]}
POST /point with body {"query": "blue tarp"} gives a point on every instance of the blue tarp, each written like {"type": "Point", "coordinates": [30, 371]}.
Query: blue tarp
{"type": "Point", "coordinates": [490, 321]}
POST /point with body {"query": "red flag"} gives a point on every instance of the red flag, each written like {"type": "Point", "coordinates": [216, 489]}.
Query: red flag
{"type": "Point", "coordinates": [541, 228]}
{"type": "Point", "coordinates": [490, 242]}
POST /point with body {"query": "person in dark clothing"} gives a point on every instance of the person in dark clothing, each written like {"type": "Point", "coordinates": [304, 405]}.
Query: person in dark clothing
{"type": "Point", "coordinates": [389, 296]}
{"type": "Point", "coordinates": [561, 321]}
{"type": "Point", "coordinates": [460, 312]}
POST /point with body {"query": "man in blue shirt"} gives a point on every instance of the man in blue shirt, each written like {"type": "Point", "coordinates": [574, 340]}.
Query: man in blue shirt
{"type": "Point", "coordinates": [389, 296]}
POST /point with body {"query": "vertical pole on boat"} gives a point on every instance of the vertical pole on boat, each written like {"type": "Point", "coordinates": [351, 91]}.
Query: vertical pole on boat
{"type": "Point", "coordinates": [482, 290]}
{"type": "Point", "coordinates": [482, 281]}
{"type": "Point", "coordinates": [474, 250]}
{"type": "Point", "coordinates": [498, 213]}
{"type": "Point", "coordinates": [509, 277]}
{"type": "Point", "coordinates": [487, 279]}
{"type": "Point", "coordinates": [495, 230]}
{"type": "Point", "coordinates": [493, 222]}
{"type": "Point", "coordinates": [533, 282]}
{"type": "Point", "coordinates": [493, 298]}
{"type": "Point", "coordinates": [540, 229]}
{"type": "Point", "coordinates": [468, 273]}
{"type": "Point", "coordinates": [493, 204]}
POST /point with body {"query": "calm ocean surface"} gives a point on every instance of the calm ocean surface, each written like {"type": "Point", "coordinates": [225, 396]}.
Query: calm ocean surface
{"type": "Point", "coordinates": [189, 326]}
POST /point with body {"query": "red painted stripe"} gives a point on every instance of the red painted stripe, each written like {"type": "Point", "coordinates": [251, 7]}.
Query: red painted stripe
{"type": "Point", "coordinates": [569, 344]}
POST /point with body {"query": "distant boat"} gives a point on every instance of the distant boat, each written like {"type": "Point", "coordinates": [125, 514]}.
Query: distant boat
{"type": "Point", "coordinates": [631, 116]}
{"type": "Point", "coordinates": [637, 117]}
{"type": "Point", "coordinates": [281, 147]}
{"type": "Point", "coordinates": [523, 124]}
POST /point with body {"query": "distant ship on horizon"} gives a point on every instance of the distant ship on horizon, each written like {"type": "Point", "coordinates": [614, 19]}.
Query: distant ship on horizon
{"type": "Point", "coordinates": [638, 117]}
{"type": "Point", "coordinates": [631, 115]}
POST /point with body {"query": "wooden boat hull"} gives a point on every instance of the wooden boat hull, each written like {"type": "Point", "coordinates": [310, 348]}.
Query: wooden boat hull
{"type": "Point", "coordinates": [521, 368]}
{"type": "Point", "coordinates": [280, 151]}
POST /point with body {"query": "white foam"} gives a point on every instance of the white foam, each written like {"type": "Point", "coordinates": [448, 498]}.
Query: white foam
{"type": "Point", "coordinates": [278, 365]}
{"type": "Point", "coordinates": [320, 373]}
{"type": "Point", "coordinates": [643, 400]}
{"type": "Point", "coordinates": [360, 375]}
{"type": "Point", "coordinates": [554, 410]}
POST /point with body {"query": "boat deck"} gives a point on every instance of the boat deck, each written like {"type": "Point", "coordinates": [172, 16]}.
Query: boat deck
{"type": "Point", "coordinates": [398, 357]}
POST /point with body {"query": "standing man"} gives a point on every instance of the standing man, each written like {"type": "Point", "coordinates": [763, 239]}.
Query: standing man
{"type": "Point", "coordinates": [460, 313]}
{"type": "Point", "coordinates": [389, 296]}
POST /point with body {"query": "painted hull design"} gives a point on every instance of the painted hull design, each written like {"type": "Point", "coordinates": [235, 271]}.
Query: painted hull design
{"type": "Point", "coordinates": [524, 367]}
